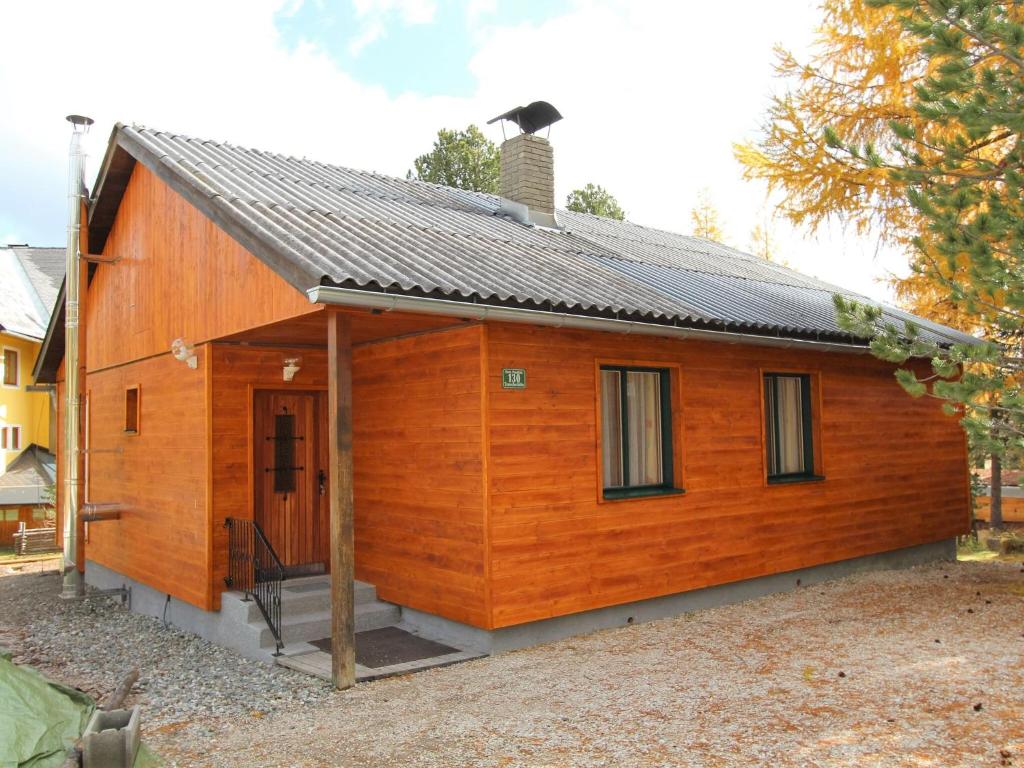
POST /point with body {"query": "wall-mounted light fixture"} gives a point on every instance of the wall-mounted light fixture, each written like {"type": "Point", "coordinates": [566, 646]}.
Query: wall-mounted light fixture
{"type": "Point", "coordinates": [185, 352]}
{"type": "Point", "coordinates": [292, 365]}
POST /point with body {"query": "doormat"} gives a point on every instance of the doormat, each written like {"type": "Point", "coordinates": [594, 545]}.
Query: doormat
{"type": "Point", "coordinates": [376, 648]}
{"type": "Point", "coordinates": [311, 586]}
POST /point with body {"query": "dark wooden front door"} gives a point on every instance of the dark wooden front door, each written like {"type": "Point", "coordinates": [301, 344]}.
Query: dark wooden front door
{"type": "Point", "coordinates": [290, 474]}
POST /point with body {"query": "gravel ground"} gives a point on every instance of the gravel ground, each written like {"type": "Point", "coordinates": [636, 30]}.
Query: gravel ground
{"type": "Point", "coordinates": [913, 668]}
{"type": "Point", "coordinates": [92, 644]}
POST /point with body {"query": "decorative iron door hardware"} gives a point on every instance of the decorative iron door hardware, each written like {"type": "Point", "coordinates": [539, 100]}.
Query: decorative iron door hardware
{"type": "Point", "coordinates": [284, 438]}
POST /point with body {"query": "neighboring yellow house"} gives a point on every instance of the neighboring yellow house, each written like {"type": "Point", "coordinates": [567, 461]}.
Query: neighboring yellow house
{"type": "Point", "coordinates": [30, 280]}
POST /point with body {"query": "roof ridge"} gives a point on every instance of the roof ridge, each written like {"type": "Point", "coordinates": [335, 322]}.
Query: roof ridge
{"type": "Point", "coordinates": [138, 128]}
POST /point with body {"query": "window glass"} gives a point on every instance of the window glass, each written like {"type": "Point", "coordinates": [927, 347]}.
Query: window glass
{"type": "Point", "coordinates": [643, 399]}
{"type": "Point", "coordinates": [15, 438]}
{"type": "Point", "coordinates": [131, 410]}
{"type": "Point", "coordinates": [11, 367]}
{"type": "Point", "coordinates": [611, 428]}
{"type": "Point", "coordinates": [787, 425]}
{"type": "Point", "coordinates": [636, 440]}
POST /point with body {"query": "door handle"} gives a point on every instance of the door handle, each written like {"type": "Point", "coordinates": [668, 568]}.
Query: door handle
{"type": "Point", "coordinates": [322, 479]}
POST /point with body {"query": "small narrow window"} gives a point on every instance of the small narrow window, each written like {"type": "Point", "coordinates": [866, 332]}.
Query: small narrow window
{"type": "Point", "coordinates": [636, 431]}
{"type": "Point", "coordinates": [131, 410]}
{"type": "Point", "coordinates": [789, 428]}
{"type": "Point", "coordinates": [10, 367]}
{"type": "Point", "coordinates": [15, 438]}
{"type": "Point", "coordinates": [3, 438]}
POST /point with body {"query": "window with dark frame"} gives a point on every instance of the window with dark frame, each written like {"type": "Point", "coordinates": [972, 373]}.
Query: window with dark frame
{"type": "Point", "coordinates": [131, 410]}
{"type": "Point", "coordinates": [789, 427]}
{"type": "Point", "coordinates": [3, 438]}
{"type": "Point", "coordinates": [15, 438]}
{"type": "Point", "coordinates": [10, 367]}
{"type": "Point", "coordinates": [636, 431]}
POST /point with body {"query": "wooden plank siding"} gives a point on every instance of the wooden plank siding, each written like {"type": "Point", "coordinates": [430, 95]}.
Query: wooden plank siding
{"type": "Point", "coordinates": [419, 476]}
{"type": "Point", "coordinates": [417, 444]}
{"type": "Point", "coordinates": [1013, 509]}
{"type": "Point", "coordinates": [236, 372]}
{"type": "Point", "coordinates": [895, 473]}
{"type": "Point", "coordinates": [178, 275]}
{"type": "Point", "coordinates": [159, 474]}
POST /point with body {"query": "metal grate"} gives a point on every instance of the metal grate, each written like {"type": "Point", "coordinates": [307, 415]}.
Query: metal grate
{"type": "Point", "coordinates": [284, 453]}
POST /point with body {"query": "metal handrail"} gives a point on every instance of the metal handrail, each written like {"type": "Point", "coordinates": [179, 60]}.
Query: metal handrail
{"type": "Point", "coordinates": [255, 569]}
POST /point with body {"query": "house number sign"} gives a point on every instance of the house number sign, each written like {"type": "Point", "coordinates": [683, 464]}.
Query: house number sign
{"type": "Point", "coordinates": [513, 378]}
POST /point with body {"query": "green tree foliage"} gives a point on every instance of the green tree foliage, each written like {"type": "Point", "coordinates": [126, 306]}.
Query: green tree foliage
{"type": "Point", "coordinates": [595, 199]}
{"type": "Point", "coordinates": [964, 179]}
{"type": "Point", "coordinates": [462, 159]}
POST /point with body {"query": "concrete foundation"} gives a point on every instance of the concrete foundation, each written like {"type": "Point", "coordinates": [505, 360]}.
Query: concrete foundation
{"type": "Point", "coordinates": [548, 630]}
{"type": "Point", "coordinates": [209, 625]}
{"type": "Point", "coordinates": [220, 629]}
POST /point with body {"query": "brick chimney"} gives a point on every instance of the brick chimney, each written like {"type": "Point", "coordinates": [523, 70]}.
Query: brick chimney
{"type": "Point", "coordinates": [528, 173]}
{"type": "Point", "coordinates": [528, 166]}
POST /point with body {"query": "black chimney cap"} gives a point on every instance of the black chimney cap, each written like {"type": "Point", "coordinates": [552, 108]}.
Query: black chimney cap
{"type": "Point", "coordinates": [531, 118]}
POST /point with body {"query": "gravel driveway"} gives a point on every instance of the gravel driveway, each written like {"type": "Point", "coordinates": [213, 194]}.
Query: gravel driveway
{"type": "Point", "coordinates": [914, 668]}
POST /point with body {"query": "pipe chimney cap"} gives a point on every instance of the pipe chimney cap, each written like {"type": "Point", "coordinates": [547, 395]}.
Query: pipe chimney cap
{"type": "Point", "coordinates": [531, 118]}
{"type": "Point", "coordinates": [80, 121]}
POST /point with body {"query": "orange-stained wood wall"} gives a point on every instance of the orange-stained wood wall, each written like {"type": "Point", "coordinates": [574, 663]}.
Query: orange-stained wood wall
{"type": "Point", "coordinates": [178, 275]}
{"type": "Point", "coordinates": [895, 468]}
{"type": "Point", "coordinates": [160, 474]}
{"type": "Point", "coordinates": [474, 502]}
{"type": "Point", "coordinates": [419, 472]}
{"type": "Point", "coordinates": [1013, 509]}
{"type": "Point", "coordinates": [417, 441]}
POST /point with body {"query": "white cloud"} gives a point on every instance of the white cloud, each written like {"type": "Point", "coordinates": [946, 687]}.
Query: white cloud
{"type": "Point", "coordinates": [376, 15]}
{"type": "Point", "coordinates": [653, 95]}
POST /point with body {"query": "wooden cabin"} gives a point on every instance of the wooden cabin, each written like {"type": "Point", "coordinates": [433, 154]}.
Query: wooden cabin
{"type": "Point", "coordinates": [558, 421]}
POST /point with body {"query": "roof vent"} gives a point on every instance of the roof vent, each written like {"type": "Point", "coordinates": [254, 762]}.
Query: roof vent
{"type": "Point", "coordinates": [528, 166]}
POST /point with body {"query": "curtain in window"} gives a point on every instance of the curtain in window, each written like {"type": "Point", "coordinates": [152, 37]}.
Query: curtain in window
{"type": "Point", "coordinates": [643, 399]}
{"type": "Point", "coordinates": [611, 428]}
{"type": "Point", "coordinates": [786, 425]}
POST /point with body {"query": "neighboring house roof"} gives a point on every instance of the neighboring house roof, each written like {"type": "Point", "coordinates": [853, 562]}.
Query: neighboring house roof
{"type": "Point", "coordinates": [29, 282]}
{"type": "Point", "coordinates": [28, 476]}
{"type": "Point", "coordinates": [45, 270]}
{"type": "Point", "coordinates": [318, 224]}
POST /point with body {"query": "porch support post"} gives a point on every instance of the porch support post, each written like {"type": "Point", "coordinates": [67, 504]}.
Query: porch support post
{"type": "Point", "coordinates": [339, 381]}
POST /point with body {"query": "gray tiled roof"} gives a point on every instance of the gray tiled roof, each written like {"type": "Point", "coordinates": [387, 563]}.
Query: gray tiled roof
{"type": "Point", "coordinates": [45, 270]}
{"type": "Point", "coordinates": [29, 281]}
{"type": "Point", "coordinates": [336, 226]}
{"type": "Point", "coordinates": [28, 475]}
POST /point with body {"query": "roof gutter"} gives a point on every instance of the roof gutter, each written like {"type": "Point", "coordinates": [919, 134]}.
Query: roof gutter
{"type": "Point", "coordinates": [389, 302]}
{"type": "Point", "coordinates": [22, 336]}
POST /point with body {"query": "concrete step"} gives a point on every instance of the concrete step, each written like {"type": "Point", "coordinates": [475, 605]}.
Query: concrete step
{"type": "Point", "coordinates": [298, 596]}
{"type": "Point", "coordinates": [316, 625]}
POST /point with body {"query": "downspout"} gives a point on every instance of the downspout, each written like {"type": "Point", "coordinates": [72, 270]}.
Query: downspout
{"type": "Point", "coordinates": [74, 582]}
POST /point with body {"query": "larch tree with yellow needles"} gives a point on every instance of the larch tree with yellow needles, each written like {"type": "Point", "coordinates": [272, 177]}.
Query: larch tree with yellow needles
{"type": "Point", "coordinates": [960, 162]}
{"type": "Point", "coordinates": [870, 64]}
{"type": "Point", "coordinates": [706, 221]}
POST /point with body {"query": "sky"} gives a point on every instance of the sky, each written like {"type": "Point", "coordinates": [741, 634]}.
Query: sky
{"type": "Point", "coordinates": [654, 94]}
